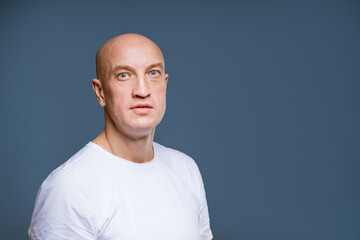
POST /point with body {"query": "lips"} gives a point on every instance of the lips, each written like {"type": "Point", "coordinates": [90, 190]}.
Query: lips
{"type": "Point", "coordinates": [141, 105]}
{"type": "Point", "coordinates": [142, 108]}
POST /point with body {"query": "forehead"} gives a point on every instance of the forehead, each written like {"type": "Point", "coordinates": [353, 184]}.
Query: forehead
{"type": "Point", "coordinates": [136, 55]}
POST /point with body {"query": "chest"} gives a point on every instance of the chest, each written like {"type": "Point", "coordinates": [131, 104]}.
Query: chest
{"type": "Point", "coordinates": [148, 205]}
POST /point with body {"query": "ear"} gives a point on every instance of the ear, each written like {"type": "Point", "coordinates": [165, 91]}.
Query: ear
{"type": "Point", "coordinates": [166, 79]}
{"type": "Point", "coordinates": [99, 91]}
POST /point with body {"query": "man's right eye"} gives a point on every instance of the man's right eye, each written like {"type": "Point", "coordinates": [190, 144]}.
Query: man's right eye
{"type": "Point", "coordinates": [123, 75]}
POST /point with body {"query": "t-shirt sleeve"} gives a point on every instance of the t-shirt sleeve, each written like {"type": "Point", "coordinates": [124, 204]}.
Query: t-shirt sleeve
{"type": "Point", "coordinates": [62, 209]}
{"type": "Point", "coordinates": [204, 220]}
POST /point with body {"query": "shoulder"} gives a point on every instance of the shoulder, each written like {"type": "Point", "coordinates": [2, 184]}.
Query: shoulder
{"type": "Point", "coordinates": [82, 166]}
{"type": "Point", "coordinates": [79, 158]}
{"type": "Point", "coordinates": [63, 174]}
{"type": "Point", "coordinates": [74, 177]}
{"type": "Point", "coordinates": [177, 160]}
{"type": "Point", "coordinates": [62, 208]}
{"type": "Point", "coordinates": [62, 185]}
{"type": "Point", "coordinates": [173, 154]}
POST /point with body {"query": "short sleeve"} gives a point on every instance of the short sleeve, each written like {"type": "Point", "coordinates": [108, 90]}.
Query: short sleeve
{"type": "Point", "coordinates": [62, 210]}
{"type": "Point", "coordinates": [204, 219]}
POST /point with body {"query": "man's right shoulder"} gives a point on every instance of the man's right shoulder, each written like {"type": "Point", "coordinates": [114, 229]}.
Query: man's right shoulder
{"type": "Point", "coordinates": [62, 200]}
{"type": "Point", "coordinates": [78, 158]}
{"type": "Point", "coordinates": [72, 169]}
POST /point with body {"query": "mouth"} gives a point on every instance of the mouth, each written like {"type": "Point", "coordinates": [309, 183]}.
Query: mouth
{"type": "Point", "coordinates": [141, 105]}
{"type": "Point", "coordinates": [142, 108]}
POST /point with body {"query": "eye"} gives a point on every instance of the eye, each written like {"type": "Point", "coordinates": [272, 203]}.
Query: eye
{"type": "Point", "coordinates": [123, 76]}
{"type": "Point", "coordinates": [154, 73]}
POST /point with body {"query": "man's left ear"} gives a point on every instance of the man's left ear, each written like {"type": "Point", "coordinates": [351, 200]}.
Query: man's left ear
{"type": "Point", "coordinates": [166, 80]}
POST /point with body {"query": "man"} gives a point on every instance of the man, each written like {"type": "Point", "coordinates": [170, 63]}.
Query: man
{"type": "Point", "coordinates": [122, 185]}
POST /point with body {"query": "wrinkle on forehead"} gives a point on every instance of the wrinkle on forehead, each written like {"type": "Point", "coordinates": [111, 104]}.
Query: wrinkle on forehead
{"type": "Point", "coordinates": [124, 41]}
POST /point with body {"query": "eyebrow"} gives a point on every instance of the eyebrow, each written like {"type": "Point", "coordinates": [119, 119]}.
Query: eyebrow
{"type": "Point", "coordinates": [160, 65]}
{"type": "Point", "coordinates": [129, 68]}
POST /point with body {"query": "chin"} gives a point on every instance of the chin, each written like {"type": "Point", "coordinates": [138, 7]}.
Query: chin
{"type": "Point", "coordinates": [146, 123]}
{"type": "Point", "coordinates": [144, 126]}
{"type": "Point", "coordinates": [141, 127]}
{"type": "Point", "coordinates": [140, 132]}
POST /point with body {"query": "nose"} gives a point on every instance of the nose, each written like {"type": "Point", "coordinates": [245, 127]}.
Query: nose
{"type": "Point", "coordinates": [141, 88]}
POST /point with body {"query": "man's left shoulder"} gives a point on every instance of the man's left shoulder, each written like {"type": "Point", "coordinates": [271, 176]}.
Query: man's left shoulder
{"type": "Point", "coordinates": [173, 155]}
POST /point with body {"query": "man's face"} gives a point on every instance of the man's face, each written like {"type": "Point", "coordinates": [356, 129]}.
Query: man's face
{"type": "Point", "coordinates": [135, 88]}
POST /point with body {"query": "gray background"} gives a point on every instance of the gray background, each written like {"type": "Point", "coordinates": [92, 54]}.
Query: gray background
{"type": "Point", "coordinates": [262, 94]}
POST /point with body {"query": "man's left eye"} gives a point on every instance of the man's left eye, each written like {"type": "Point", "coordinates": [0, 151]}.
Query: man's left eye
{"type": "Point", "coordinates": [154, 73]}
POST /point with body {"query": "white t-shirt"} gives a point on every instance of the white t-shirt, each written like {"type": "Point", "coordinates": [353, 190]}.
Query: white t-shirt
{"type": "Point", "coordinates": [97, 195]}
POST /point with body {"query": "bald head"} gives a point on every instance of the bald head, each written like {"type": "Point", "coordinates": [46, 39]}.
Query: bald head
{"type": "Point", "coordinates": [119, 44]}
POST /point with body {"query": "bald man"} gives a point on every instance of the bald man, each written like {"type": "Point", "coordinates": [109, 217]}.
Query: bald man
{"type": "Point", "coordinates": [122, 185]}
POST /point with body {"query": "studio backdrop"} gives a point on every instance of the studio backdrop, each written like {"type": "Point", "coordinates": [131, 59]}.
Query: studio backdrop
{"type": "Point", "coordinates": [264, 95]}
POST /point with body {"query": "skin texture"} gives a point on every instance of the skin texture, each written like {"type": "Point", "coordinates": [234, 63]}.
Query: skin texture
{"type": "Point", "coordinates": [131, 87]}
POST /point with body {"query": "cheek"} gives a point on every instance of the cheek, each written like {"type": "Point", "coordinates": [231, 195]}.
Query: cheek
{"type": "Point", "coordinates": [115, 99]}
{"type": "Point", "coordinates": [161, 95]}
{"type": "Point", "coordinates": [161, 100]}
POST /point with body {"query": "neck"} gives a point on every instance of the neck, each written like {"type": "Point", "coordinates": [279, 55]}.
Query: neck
{"type": "Point", "coordinates": [139, 149]}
